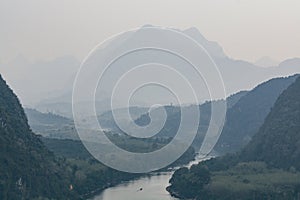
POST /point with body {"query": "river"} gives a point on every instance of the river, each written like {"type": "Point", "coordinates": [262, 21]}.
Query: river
{"type": "Point", "coordinates": [153, 188]}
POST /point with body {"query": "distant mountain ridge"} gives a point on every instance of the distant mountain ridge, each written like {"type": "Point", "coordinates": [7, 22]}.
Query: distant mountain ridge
{"type": "Point", "coordinates": [237, 74]}
{"type": "Point", "coordinates": [212, 47]}
{"type": "Point", "coordinates": [266, 62]}
{"type": "Point", "coordinates": [246, 112]}
{"type": "Point", "coordinates": [36, 117]}
{"type": "Point", "coordinates": [51, 125]}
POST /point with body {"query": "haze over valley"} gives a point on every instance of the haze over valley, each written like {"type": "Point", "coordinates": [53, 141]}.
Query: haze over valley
{"type": "Point", "coordinates": [149, 100]}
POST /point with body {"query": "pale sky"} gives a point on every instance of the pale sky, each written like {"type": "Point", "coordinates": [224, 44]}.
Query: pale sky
{"type": "Point", "coordinates": [46, 29]}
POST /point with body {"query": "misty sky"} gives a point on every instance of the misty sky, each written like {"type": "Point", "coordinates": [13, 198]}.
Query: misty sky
{"type": "Point", "coordinates": [45, 29]}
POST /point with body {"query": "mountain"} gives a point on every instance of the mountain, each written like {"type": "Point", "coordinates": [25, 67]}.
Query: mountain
{"type": "Point", "coordinates": [277, 141]}
{"type": "Point", "coordinates": [63, 106]}
{"type": "Point", "coordinates": [35, 118]}
{"type": "Point", "coordinates": [232, 71]}
{"type": "Point", "coordinates": [173, 118]}
{"type": "Point", "coordinates": [212, 47]}
{"type": "Point", "coordinates": [267, 168]}
{"type": "Point", "coordinates": [248, 114]}
{"type": "Point", "coordinates": [290, 63]}
{"type": "Point", "coordinates": [51, 125]}
{"type": "Point", "coordinates": [237, 74]}
{"type": "Point", "coordinates": [107, 121]}
{"type": "Point", "coordinates": [234, 98]}
{"type": "Point", "coordinates": [28, 170]}
{"type": "Point", "coordinates": [266, 62]}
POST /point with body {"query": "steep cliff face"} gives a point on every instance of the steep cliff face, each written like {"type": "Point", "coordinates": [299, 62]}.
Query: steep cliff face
{"type": "Point", "coordinates": [27, 170]}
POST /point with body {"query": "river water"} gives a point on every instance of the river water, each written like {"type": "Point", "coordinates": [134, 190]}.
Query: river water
{"type": "Point", "coordinates": [153, 188]}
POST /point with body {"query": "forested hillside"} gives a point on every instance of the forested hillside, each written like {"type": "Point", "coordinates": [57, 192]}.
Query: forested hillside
{"type": "Point", "coordinates": [278, 140]}
{"type": "Point", "coordinates": [244, 119]}
{"type": "Point", "coordinates": [267, 168]}
{"type": "Point", "coordinates": [28, 170]}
